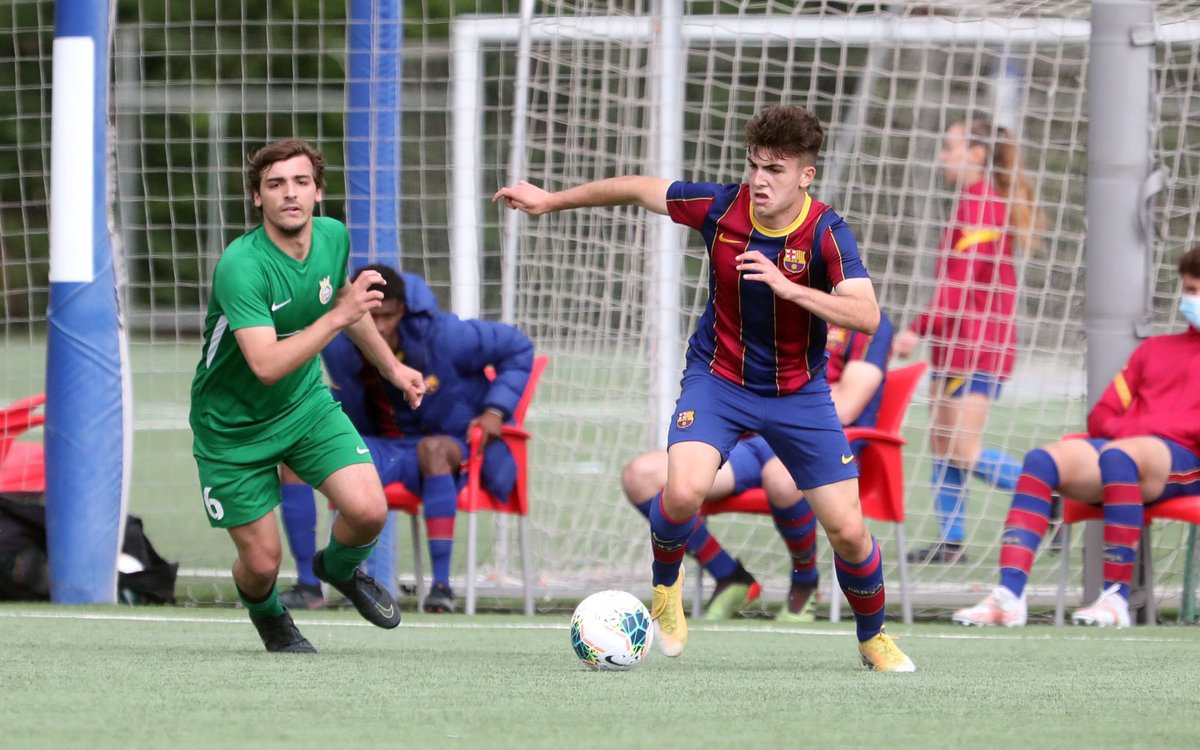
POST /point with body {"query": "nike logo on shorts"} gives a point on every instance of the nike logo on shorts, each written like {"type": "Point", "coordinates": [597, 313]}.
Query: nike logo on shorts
{"type": "Point", "coordinates": [362, 451]}
{"type": "Point", "coordinates": [279, 305]}
{"type": "Point", "coordinates": [847, 459]}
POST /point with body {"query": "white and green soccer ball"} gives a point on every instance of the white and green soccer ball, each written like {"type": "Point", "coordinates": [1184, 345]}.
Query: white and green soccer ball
{"type": "Point", "coordinates": [611, 630]}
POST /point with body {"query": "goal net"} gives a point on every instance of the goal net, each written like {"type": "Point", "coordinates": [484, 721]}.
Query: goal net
{"type": "Point", "coordinates": [196, 87]}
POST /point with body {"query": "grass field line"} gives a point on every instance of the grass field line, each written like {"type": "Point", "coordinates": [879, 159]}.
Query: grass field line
{"type": "Point", "coordinates": [239, 619]}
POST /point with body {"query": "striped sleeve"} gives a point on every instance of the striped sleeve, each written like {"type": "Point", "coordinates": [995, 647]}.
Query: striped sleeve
{"type": "Point", "coordinates": [688, 202]}
{"type": "Point", "coordinates": [839, 250]}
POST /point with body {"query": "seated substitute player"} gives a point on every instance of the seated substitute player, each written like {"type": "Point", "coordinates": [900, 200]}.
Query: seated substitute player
{"type": "Point", "coordinates": [856, 370]}
{"type": "Point", "coordinates": [781, 266]}
{"type": "Point", "coordinates": [258, 398]}
{"type": "Point", "coordinates": [1143, 446]}
{"type": "Point", "coordinates": [422, 448]}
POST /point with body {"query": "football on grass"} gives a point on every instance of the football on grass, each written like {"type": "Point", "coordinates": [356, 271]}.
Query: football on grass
{"type": "Point", "coordinates": [611, 630]}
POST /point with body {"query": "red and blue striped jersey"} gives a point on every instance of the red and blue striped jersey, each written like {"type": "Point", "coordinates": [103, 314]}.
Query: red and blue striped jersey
{"type": "Point", "coordinates": [747, 334]}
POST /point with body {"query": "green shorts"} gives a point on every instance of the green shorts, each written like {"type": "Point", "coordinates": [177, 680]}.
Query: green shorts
{"type": "Point", "coordinates": [238, 493]}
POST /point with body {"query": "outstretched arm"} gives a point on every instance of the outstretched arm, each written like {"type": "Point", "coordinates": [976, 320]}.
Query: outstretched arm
{"type": "Point", "coordinates": [648, 192]}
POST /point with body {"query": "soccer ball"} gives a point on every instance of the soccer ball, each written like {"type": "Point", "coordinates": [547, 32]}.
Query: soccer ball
{"type": "Point", "coordinates": [611, 630]}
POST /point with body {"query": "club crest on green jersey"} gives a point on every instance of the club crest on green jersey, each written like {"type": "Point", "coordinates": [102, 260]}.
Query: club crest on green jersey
{"type": "Point", "coordinates": [326, 290]}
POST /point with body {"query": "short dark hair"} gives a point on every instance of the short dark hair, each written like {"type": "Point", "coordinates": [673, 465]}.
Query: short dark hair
{"type": "Point", "coordinates": [283, 150]}
{"type": "Point", "coordinates": [391, 277]}
{"type": "Point", "coordinates": [784, 130]}
{"type": "Point", "coordinates": [1189, 263]}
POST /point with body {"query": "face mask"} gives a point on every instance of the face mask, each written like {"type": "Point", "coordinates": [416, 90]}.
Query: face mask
{"type": "Point", "coordinates": [1189, 308]}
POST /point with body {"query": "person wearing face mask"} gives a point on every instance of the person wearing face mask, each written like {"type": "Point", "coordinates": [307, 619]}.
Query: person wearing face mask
{"type": "Point", "coordinates": [1143, 446]}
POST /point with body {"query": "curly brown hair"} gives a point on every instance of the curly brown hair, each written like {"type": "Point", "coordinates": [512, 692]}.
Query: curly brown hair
{"type": "Point", "coordinates": [785, 130]}
{"type": "Point", "coordinates": [283, 150]}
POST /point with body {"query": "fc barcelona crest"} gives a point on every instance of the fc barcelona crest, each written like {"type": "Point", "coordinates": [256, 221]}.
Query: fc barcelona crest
{"type": "Point", "coordinates": [685, 419]}
{"type": "Point", "coordinates": [792, 260]}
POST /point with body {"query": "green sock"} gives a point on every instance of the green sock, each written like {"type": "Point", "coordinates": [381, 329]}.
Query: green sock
{"type": "Point", "coordinates": [340, 560]}
{"type": "Point", "coordinates": [265, 608]}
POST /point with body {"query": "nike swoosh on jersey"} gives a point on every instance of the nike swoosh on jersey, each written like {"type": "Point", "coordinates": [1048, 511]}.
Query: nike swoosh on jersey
{"type": "Point", "coordinates": [279, 305]}
{"type": "Point", "coordinates": [847, 459]}
{"type": "Point", "coordinates": [363, 451]}
{"type": "Point", "coordinates": [721, 236]}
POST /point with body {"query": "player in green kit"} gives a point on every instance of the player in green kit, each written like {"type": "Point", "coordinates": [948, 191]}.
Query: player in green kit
{"type": "Point", "coordinates": [279, 295]}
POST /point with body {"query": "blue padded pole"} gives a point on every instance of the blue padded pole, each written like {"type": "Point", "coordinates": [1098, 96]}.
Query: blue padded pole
{"type": "Point", "coordinates": [87, 431]}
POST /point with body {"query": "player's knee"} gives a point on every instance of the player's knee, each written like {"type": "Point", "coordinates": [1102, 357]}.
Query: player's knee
{"type": "Point", "coordinates": [683, 500]}
{"type": "Point", "coordinates": [638, 478]}
{"type": "Point", "coordinates": [367, 516]}
{"type": "Point", "coordinates": [374, 517]}
{"type": "Point", "coordinates": [849, 539]}
{"type": "Point", "coordinates": [781, 490]}
{"type": "Point", "coordinates": [438, 454]}
{"type": "Point", "coordinates": [1117, 465]}
{"type": "Point", "coordinates": [262, 563]}
{"type": "Point", "coordinates": [966, 452]}
{"type": "Point", "coordinates": [1039, 463]}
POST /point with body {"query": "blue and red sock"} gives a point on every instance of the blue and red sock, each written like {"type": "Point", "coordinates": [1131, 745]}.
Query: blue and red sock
{"type": "Point", "coordinates": [798, 527]}
{"type": "Point", "coordinates": [1028, 519]}
{"type": "Point", "coordinates": [1124, 515]}
{"type": "Point", "coordinates": [862, 583]}
{"type": "Point", "coordinates": [439, 495]}
{"type": "Point", "coordinates": [703, 546]}
{"type": "Point", "coordinates": [299, 511]}
{"type": "Point", "coordinates": [668, 541]}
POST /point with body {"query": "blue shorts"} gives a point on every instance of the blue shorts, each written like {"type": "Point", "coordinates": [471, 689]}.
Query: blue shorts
{"type": "Point", "coordinates": [747, 460]}
{"type": "Point", "coordinates": [396, 461]}
{"type": "Point", "coordinates": [1184, 478]}
{"type": "Point", "coordinates": [802, 428]}
{"type": "Point", "coordinates": [958, 386]}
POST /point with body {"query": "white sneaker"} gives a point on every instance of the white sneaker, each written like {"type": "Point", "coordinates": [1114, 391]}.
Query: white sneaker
{"type": "Point", "coordinates": [1111, 610]}
{"type": "Point", "coordinates": [1001, 607]}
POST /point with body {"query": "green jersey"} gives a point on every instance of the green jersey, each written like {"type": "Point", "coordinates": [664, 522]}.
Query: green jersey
{"type": "Point", "coordinates": [257, 284]}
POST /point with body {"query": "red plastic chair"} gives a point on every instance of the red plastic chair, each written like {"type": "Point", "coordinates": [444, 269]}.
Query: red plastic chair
{"type": "Point", "coordinates": [1185, 509]}
{"type": "Point", "coordinates": [22, 465]}
{"type": "Point", "coordinates": [473, 499]}
{"type": "Point", "coordinates": [880, 480]}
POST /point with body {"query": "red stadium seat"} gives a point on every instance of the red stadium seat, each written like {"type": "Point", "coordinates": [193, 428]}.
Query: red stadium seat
{"type": "Point", "coordinates": [880, 481]}
{"type": "Point", "coordinates": [22, 465]}
{"type": "Point", "coordinates": [473, 499]}
{"type": "Point", "coordinates": [1185, 509]}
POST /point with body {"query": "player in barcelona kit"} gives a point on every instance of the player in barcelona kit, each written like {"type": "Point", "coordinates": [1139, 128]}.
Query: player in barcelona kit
{"type": "Point", "coordinates": [856, 371]}
{"type": "Point", "coordinates": [279, 295]}
{"type": "Point", "coordinates": [781, 265]}
{"type": "Point", "coordinates": [1142, 447]}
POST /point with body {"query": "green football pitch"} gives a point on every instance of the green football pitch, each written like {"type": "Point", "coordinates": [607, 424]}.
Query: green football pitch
{"type": "Point", "coordinates": [194, 677]}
